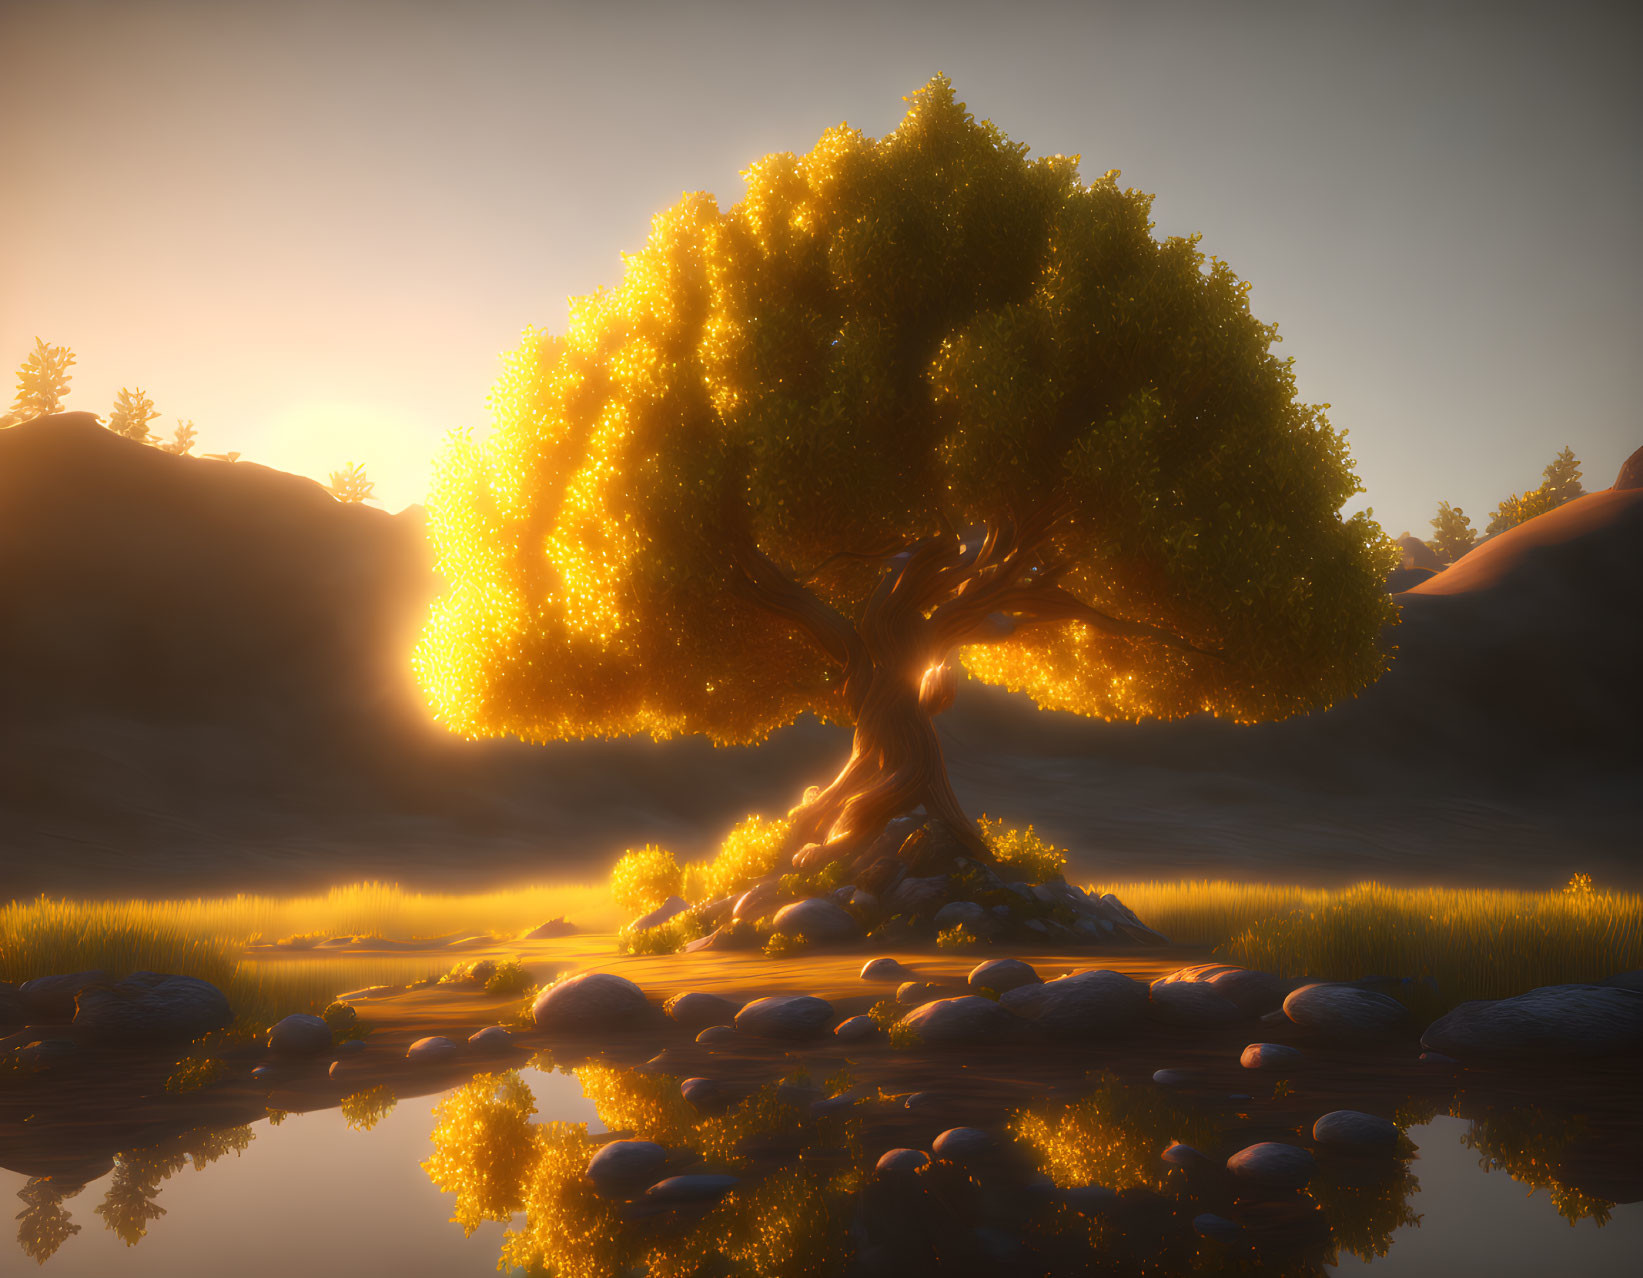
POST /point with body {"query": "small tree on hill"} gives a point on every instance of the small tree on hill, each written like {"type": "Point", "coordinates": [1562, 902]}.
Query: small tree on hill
{"type": "Point", "coordinates": [182, 439]}
{"type": "Point", "coordinates": [42, 381]}
{"type": "Point", "coordinates": [132, 413]}
{"type": "Point", "coordinates": [1560, 482]}
{"type": "Point", "coordinates": [1452, 534]}
{"type": "Point", "coordinates": [912, 404]}
{"type": "Point", "coordinates": [350, 484]}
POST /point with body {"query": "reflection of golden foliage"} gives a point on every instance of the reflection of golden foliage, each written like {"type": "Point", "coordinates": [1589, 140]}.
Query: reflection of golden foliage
{"type": "Point", "coordinates": [128, 1204]}
{"type": "Point", "coordinates": [1365, 1205]}
{"type": "Point", "coordinates": [1112, 1137]}
{"type": "Point", "coordinates": [649, 1105]}
{"type": "Point", "coordinates": [569, 1230]}
{"type": "Point", "coordinates": [365, 1109]}
{"type": "Point", "coordinates": [43, 1226]}
{"type": "Point", "coordinates": [1529, 1145]}
{"type": "Point", "coordinates": [196, 1072]}
{"type": "Point", "coordinates": [484, 1146]}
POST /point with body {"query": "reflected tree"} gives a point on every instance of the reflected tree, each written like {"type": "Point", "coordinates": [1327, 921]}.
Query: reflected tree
{"type": "Point", "coordinates": [363, 1110]}
{"type": "Point", "coordinates": [128, 1205]}
{"type": "Point", "coordinates": [1530, 1146]}
{"type": "Point", "coordinates": [44, 1225]}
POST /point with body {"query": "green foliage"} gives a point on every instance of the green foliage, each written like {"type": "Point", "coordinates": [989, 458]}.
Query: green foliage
{"type": "Point", "coordinates": [957, 938]}
{"type": "Point", "coordinates": [350, 484]}
{"type": "Point", "coordinates": [1452, 534]}
{"type": "Point", "coordinates": [643, 879]}
{"type": "Point", "coordinates": [666, 938]}
{"type": "Point", "coordinates": [196, 1072]}
{"type": "Point", "coordinates": [781, 945]}
{"type": "Point", "coordinates": [750, 851]}
{"type": "Point", "coordinates": [132, 413]}
{"type": "Point", "coordinates": [1560, 482]}
{"type": "Point", "coordinates": [42, 381]}
{"type": "Point", "coordinates": [886, 1012]}
{"type": "Point", "coordinates": [1022, 856]}
{"type": "Point", "coordinates": [829, 878]}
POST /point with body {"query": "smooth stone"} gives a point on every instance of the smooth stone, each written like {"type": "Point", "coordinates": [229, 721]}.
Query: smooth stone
{"type": "Point", "coordinates": [967, 1019]}
{"type": "Point", "coordinates": [965, 914]}
{"type": "Point", "coordinates": [1274, 1165]}
{"type": "Point", "coordinates": [431, 1050]}
{"type": "Point", "coordinates": [707, 1095]}
{"type": "Point", "coordinates": [884, 969]}
{"type": "Point", "coordinates": [1209, 1225]}
{"type": "Point", "coordinates": [50, 999]}
{"type": "Point", "coordinates": [918, 896]}
{"type": "Point", "coordinates": [1273, 1056]}
{"type": "Point", "coordinates": [855, 1030]}
{"type": "Point", "coordinates": [493, 1038]}
{"type": "Point", "coordinates": [1337, 1010]}
{"type": "Point", "coordinates": [785, 1016]}
{"type": "Point", "coordinates": [716, 1034]}
{"type": "Point", "coordinates": [1191, 1004]}
{"type": "Point", "coordinates": [916, 993]}
{"type": "Point", "coordinates": [1349, 1131]}
{"type": "Point", "coordinates": [668, 909]}
{"type": "Point", "coordinates": [1000, 975]}
{"type": "Point", "coordinates": [900, 1162]}
{"type": "Point", "coordinates": [701, 1188]}
{"type": "Point", "coordinates": [139, 1011]}
{"type": "Point", "coordinates": [591, 1001]}
{"type": "Point", "coordinates": [964, 1144]}
{"type": "Point", "coordinates": [753, 902]}
{"type": "Point", "coordinates": [1569, 1021]}
{"type": "Point", "coordinates": [625, 1164]}
{"type": "Point", "coordinates": [351, 1047]}
{"type": "Point", "coordinates": [696, 1010]}
{"type": "Point", "coordinates": [920, 1100]}
{"type": "Point", "coordinates": [1632, 980]}
{"type": "Point", "coordinates": [300, 1035]}
{"type": "Point", "coordinates": [1184, 1156]}
{"type": "Point", "coordinates": [1081, 1006]}
{"type": "Point", "coordinates": [1255, 992]}
{"type": "Point", "coordinates": [840, 1104]}
{"type": "Point", "coordinates": [817, 919]}
{"type": "Point", "coordinates": [1174, 1077]}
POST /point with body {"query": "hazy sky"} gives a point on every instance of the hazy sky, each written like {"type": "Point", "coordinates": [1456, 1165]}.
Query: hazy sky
{"type": "Point", "coordinates": [313, 228]}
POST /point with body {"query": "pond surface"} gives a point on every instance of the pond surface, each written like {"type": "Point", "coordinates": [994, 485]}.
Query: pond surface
{"type": "Point", "coordinates": [315, 1193]}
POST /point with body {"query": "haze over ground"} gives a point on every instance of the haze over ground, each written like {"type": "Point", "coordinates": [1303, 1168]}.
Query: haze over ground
{"type": "Point", "coordinates": [311, 228]}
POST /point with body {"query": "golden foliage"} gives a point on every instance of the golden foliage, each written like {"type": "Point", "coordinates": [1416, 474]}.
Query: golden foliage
{"type": "Point", "coordinates": [42, 381]}
{"type": "Point", "coordinates": [884, 338]}
{"type": "Point", "coordinates": [484, 1147]}
{"type": "Point", "coordinates": [753, 849]}
{"type": "Point", "coordinates": [1021, 854]}
{"type": "Point", "coordinates": [643, 879]}
{"type": "Point", "coordinates": [132, 413]}
{"type": "Point", "coordinates": [350, 484]}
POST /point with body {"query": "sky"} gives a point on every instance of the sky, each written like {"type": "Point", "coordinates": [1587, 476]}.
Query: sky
{"type": "Point", "coordinates": [312, 229]}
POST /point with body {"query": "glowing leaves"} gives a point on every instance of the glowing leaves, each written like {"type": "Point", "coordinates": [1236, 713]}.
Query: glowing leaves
{"type": "Point", "coordinates": [484, 1146]}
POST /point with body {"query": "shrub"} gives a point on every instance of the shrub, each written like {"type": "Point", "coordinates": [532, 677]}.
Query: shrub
{"type": "Point", "coordinates": [782, 945]}
{"type": "Point", "coordinates": [904, 1038]}
{"type": "Point", "coordinates": [642, 880]}
{"type": "Point", "coordinates": [1021, 854]}
{"type": "Point", "coordinates": [664, 938]}
{"type": "Point", "coordinates": [750, 851]}
{"type": "Point", "coordinates": [196, 1072]}
{"type": "Point", "coordinates": [956, 938]}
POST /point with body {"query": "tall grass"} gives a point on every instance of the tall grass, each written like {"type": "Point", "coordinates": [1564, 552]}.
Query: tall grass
{"type": "Point", "coordinates": [1468, 943]}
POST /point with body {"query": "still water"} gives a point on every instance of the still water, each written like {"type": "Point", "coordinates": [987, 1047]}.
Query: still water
{"type": "Point", "coordinates": [314, 1195]}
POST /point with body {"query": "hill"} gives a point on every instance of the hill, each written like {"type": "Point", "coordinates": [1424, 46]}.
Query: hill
{"type": "Point", "coordinates": [204, 675]}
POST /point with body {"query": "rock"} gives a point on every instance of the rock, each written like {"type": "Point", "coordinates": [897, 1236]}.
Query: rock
{"type": "Point", "coordinates": [591, 1001]}
{"type": "Point", "coordinates": [1627, 980]}
{"type": "Point", "coordinates": [714, 913]}
{"type": "Point", "coordinates": [351, 1047]}
{"type": "Point", "coordinates": [624, 1165]}
{"type": "Point", "coordinates": [816, 919]}
{"type": "Point", "coordinates": [11, 1005]}
{"type": "Point", "coordinates": [793, 1016]}
{"type": "Point", "coordinates": [862, 903]}
{"type": "Point", "coordinates": [696, 1010]}
{"type": "Point", "coordinates": [915, 993]}
{"type": "Point", "coordinates": [884, 969]}
{"type": "Point", "coordinates": [338, 1068]}
{"type": "Point", "coordinates": [1186, 1157]}
{"type": "Point", "coordinates": [968, 1019]}
{"type": "Point", "coordinates": [431, 1050]}
{"type": "Point", "coordinates": [701, 1188]}
{"type": "Point", "coordinates": [139, 1011]}
{"type": "Point", "coordinates": [1255, 992]}
{"type": "Point", "coordinates": [1219, 1228]}
{"type": "Point", "coordinates": [1347, 1131]}
{"type": "Point", "coordinates": [1344, 1011]}
{"type": "Point", "coordinates": [670, 908]}
{"type": "Point", "coordinates": [1174, 1077]}
{"type": "Point", "coordinates": [918, 897]}
{"type": "Point", "coordinates": [881, 876]}
{"type": "Point", "coordinates": [706, 1095]}
{"type": "Point", "coordinates": [716, 1034]}
{"type": "Point", "coordinates": [1273, 1165]}
{"type": "Point", "coordinates": [1134, 927]}
{"type": "Point", "coordinates": [933, 848]}
{"type": "Point", "coordinates": [1081, 1006]}
{"type": "Point", "coordinates": [552, 928]}
{"type": "Point", "coordinates": [965, 914]}
{"type": "Point", "coordinates": [1270, 1056]}
{"type": "Point", "coordinates": [729, 937]}
{"type": "Point", "coordinates": [49, 1000]}
{"type": "Point", "coordinates": [1631, 472]}
{"type": "Point", "coordinates": [901, 1162]}
{"type": "Point", "coordinates": [856, 1030]}
{"type": "Point", "coordinates": [1000, 975]}
{"type": "Point", "coordinates": [1569, 1021]}
{"type": "Point", "coordinates": [889, 840]}
{"type": "Point", "coordinates": [756, 900]}
{"type": "Point", "coordinates": [493, 1038]}
{"type": "Point", "coordinates": [1199, 1006]}
{"type": "Point", "coordinates": [300, 1035]}
{"type": "Point", "coordinates": [920, 1100]}
{"type": "Point", "coordinates": [964, 1145]}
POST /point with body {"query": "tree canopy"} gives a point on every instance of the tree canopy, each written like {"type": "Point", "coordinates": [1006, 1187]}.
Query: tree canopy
{"type": "Point", "coordinates": [925, 382]}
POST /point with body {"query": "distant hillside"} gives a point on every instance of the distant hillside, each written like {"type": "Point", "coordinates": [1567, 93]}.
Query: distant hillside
{"type": "Point", "coordinates": [204, 682]}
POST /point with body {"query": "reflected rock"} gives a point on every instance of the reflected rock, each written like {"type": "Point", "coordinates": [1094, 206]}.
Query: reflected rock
{"type": "Point", "coordinates": [1274, 1165]}
{"type": "Point", "coordinates": [701, 1188]}
{"type": "Point", "coordinates": [1349, 1131]}
{"type": "Point", "coordinates": [625, 1165]}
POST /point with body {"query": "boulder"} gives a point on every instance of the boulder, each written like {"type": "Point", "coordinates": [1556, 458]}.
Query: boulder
{"type": "Point", "coordinates": [856, 1030]}
{"type": "Point", "coordinates": [964, 1145]}
{"type": "Point", "coordinates": [901, 1162]}
{"type": "Point", "coordinates": [919, 897]}
{"type": "Point", "coordinates": [728, 937]}
{"type": "Point", "coordinates": [431, 1050]}
{"type": "Point", "coordinates": [703, 1187]}
{"type": "Point", "coordinates": [881, 875]}
{"type": "Point", "coordinates": [884, 969]}
{"type": "Point", "coordinates": [1002, 974]}
{"type": "Point", "coordinates": [757, 899]}
{"type": "Point", "coordinates": [11, 1005]}
{"type": "Point", "coordinates": [1626, 980]}
{"type": "Point", "coordinates": [716, 1034]}
{"type": "Point", "coordinates": [1199, 1006]}
{"type": "Point", "coordinates": [706, 1095]}
{"type": "Point", "coordinates": [791, 1016]}
{"type": "Point", "coordinates": [300, 1035]}
{"type": "Point", "coordinates": [1084, 1005]}
{"type": "Point", "coordinates": [889, 840]}
{"type": "Point", "coordinates": [1255, 992]}
{"type": "Point", "coordinates": [622, 1166]}
{"type": "Point", "coordinates": [1571, 1021]}
{"type": "Point", "coordinates": [1186, 1157]}
{"type": "Point", "coordinates": [965, 914]}
{"type": "Point", "coordinates": [151, 1008]}
{"type": "Point", "coordinates": [591, 1001]}
{"type": "Point", "coordinates": [1348, 1131]}
{"type": "Point", "coordinates": [1344, 1011]}
{"type": "Point", "coordinates": [493, 1038]}
{"type": "Point", "coordinates": [933, 848]}
{"type": "Point", "coordinates": [1174, 1077]}
{"type": "Point", "coordinates": [914, 993]}
{"type": "Point", "coordinates": [1270, 1056]}
{"type": "Point", "coordinates": [1274, 1165]}
{"type": "Point", "coordinates": [550, 929]}
{"type": "Point", "coordinates": [968, 1019]}
{"type": "Point", "coordinates": [670, 908]}
{"type": "Point", "coordinates": [816, 919]}
{"type": "Point", "coordinates": [49, 1000]}
{"type": "Point", "coordinates": [696, 1010]}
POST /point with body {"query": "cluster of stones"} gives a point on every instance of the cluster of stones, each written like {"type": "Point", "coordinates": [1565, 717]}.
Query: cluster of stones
{"type": "Point", "coordinates": [51, 1016]}
{"type": "Point", "coordinates": [915, 881]}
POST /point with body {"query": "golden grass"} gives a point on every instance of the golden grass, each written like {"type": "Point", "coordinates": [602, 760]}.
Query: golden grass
{"type": "Point", "coordinates": [1467, 942]}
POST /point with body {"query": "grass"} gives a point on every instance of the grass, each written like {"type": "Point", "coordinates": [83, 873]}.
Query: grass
{"type": "Point", "coordinates": [1469, 943]}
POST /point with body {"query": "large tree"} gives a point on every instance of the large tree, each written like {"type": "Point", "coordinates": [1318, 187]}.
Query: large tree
{"type": "Point", "coordinates": [911, 404]}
